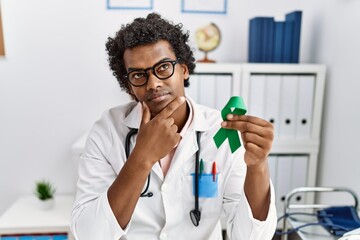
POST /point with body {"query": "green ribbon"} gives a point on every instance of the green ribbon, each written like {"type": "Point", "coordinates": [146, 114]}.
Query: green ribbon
{"type": "Point", "coordinates": [234, 106]}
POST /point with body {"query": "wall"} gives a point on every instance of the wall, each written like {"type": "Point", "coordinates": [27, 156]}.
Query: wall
{"type": "Point", "coordinates": [337, 46]}
{"type": "Point", "coordinates": [54, 81]}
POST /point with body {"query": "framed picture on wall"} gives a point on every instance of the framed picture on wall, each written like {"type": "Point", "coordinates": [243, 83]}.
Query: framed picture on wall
{"type": "Point", "coordinates": [204, 6]}
{"type": "Point", "coordinates": [129, 4]}
{"type": "Point", "coordinates": [2, 47]}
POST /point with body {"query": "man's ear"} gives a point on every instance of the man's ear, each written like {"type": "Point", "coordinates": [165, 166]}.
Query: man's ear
{"type": "Point", "coordinates": [185, 70]}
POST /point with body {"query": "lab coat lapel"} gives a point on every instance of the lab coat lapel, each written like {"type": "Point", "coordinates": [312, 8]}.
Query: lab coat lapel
{"type": "Point", "coordinates": [133, 120]}
{"type": "Point", "coordinates": [188, 145]}
{"type": "Point", "coordinates": [185, 150]}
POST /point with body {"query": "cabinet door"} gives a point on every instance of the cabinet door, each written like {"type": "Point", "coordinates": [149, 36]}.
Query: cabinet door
{"type": "Point", "coordinates": [207, 93]}
{"type": "Point", "coordinates": [299, 176]}
{"type": "Point", "coordinates": [283, 180]}
{"type": "Point", "coordinates": [290, 172]}
{"type": "Point", "coordinates": [223, 88]}
{"type": "Point", "coordinates": [192, 90]}
{"type": "Point", "coordinates": [272, 101]}
{"type": "Point", "coordinates": [257, 95]}
{"type": "Point", "coordinates": [288, 100]}
{"type": "Point", "coordinates": [303, 121]}
{"type": "Point", "coordinates": [212, 90]}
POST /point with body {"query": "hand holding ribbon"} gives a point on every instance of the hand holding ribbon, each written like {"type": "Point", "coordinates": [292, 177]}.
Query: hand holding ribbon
{"type": "Point", "coordinates": [234, 106]}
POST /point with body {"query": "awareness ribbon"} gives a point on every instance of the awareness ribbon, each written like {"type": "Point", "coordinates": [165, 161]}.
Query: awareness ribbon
{"type": "Point", "coordinates": [234, 106]}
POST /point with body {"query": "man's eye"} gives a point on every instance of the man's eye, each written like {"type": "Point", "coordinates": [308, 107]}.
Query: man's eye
{"type": "Point", "coordinates": [138, 75]}
{"type": "Point", "coordinates": [163, 67]}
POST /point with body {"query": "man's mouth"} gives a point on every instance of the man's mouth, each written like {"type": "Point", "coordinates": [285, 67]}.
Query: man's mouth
{"type": "Point", "coordinates": [158, 96]}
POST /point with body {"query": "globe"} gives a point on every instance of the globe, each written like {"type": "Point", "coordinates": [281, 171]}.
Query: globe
{"type": "Point", "coordinates": [207, 39]}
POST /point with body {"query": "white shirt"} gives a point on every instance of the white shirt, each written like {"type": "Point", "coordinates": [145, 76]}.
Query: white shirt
{"type": "Point", "coordinates": [165, 215]}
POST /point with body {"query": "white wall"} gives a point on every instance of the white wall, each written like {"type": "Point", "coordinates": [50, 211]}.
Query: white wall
{"type": "Point", "coordinates": [54, 81]}
{"type": "Point", "coordinates": [338, 47]}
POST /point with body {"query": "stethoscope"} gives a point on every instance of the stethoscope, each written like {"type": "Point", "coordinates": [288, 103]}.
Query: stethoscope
{"type": "Point", "coordinates": [195, 214]}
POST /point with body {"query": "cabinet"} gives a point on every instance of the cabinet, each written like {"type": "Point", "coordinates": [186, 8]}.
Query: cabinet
{"type": "Point", "coordinates": [25, 219]}
{"type": "Point", "coordinates": [288, 95]}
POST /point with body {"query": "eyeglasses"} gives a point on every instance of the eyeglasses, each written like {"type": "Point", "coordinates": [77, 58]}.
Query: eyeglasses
{"type": "Point", "coordinates": [162, 70]}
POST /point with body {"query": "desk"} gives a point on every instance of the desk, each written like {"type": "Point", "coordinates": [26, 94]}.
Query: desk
{"type": "Point", "coordinates": [25, 217]}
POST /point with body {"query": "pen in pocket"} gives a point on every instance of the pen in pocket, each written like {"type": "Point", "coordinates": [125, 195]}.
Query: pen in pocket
{"type": "Point", "coordinates": [214, 171]}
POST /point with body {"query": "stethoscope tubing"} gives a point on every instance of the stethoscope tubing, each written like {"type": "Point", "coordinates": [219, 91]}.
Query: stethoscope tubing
{"type": "Point", "coordinates": [132, 132]}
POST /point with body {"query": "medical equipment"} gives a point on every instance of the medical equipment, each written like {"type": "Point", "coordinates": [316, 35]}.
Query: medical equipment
{"type": "Point", "coordinates": [309, 222]}
{"type": "Point", "coordinates": [195, 214]}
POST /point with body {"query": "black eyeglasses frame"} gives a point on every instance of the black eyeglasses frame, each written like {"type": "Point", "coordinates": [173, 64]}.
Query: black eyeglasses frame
{"type": "Point", "coordinates": [173, 62]}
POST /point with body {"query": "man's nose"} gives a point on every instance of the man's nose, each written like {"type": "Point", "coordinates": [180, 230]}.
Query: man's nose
{"type": "Point", "coordinates": [153, 82]}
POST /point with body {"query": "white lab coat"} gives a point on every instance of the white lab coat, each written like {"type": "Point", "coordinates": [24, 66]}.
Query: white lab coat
{"type": "Point", "coordinates": [166, 214]}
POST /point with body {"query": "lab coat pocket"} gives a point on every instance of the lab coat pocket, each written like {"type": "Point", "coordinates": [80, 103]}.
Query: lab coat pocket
{"type": "Point", "coordinates": [210, 196]}
{"type": "Point", "coordinates": [208, 185]}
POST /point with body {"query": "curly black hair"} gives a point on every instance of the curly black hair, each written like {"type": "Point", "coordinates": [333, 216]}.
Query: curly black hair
{"type": "Point", "coordinates": [144, 31]}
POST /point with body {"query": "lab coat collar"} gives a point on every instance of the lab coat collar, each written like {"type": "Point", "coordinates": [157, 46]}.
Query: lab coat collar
{"type": "Point", "coordinates": [133, 119]}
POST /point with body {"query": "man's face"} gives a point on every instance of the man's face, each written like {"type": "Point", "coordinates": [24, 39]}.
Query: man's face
{"type": "Point", "coordinates": [156, 93]}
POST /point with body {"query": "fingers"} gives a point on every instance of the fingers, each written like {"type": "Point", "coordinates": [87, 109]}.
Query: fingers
{"type": "Point", "coordinates": [146, 114]}
{"type": "Point", "coordinates": [254, 131]}
{"type": "Point", "coordinates": [171, 107]}
{"type": "Point", "coordinates": [247, 118]}
{"type": "Point", "coordinates": [254, 139]}
{"type": "Point", "coordinates": [249, 124]}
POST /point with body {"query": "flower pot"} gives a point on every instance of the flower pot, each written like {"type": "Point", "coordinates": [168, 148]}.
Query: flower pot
{"type": "Point", "coordinates": [46, 204]}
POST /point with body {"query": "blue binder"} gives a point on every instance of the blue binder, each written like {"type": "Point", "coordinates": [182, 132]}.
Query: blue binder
{"type": "Point", "coordinates": [278, 42]}
{"type": "Point", "coordinates": [267, 39]}
{"type": "Point", "coordinates": [255, 43]}
{"type": "Point", "coordinates": [288, 40]}
{"type": "Point", "coordinates": [295, 17]}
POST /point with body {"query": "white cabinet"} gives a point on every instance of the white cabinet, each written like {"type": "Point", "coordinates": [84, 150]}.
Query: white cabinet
{"type": "Point", "coordinates": [288, 95]}
{"type": "Point", "coordinates": [26, 218]}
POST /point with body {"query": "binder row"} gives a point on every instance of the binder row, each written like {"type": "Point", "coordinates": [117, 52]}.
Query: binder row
{"type": "Point", "coordinates": [275, 42]}
{"type": "Point", "coordinates": [288, 172]}
{"type": "Point", "coordinates": [284, 100]}
{"type": "Point", "coordinates": [212, 90]}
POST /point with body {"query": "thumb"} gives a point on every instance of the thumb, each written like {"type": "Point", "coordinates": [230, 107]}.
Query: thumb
{"type": "Point", "coordinates": [146, 114]}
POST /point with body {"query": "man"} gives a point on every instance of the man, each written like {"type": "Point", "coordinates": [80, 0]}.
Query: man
{"type": "Point", "coordinates": [150, 193]}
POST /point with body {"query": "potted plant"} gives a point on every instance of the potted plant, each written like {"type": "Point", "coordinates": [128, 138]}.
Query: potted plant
{"type": "Point", "coordinates": [44, 191]}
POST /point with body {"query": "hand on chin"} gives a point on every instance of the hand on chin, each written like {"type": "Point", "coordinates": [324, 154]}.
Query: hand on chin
{"type": "Point", "coordinates": [158, 104]}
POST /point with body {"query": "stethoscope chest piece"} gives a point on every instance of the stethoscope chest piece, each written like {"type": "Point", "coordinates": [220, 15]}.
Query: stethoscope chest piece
{"type": "Point", "coordinates": [195, 216]}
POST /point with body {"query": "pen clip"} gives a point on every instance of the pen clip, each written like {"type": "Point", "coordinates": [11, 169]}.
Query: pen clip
{"type": "Point", "coordinates": [201, 167]}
